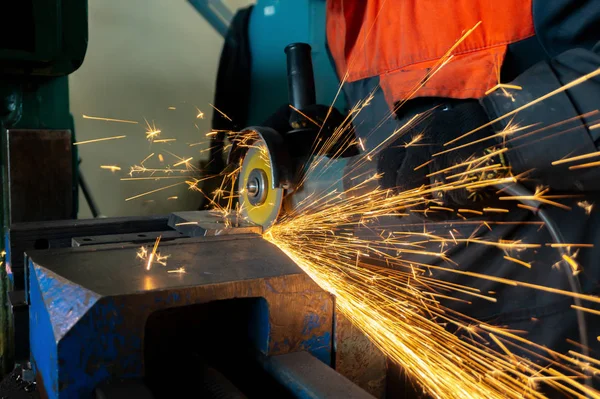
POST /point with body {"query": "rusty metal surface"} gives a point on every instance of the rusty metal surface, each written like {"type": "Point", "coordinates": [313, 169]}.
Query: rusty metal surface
{"type": "Point", "coordinates": [357, 359]}
{"type": "Point", "coordinates": [209, 223]}
{"type": "Point", "coordinates": [89, 305]}
{"type": "Point", "coordinates": [40, 175]}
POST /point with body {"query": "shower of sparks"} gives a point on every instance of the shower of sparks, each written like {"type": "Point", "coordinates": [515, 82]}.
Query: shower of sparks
{"type": "Point", "coordinates": [389, 281]}
{"type": "Point", "coordinates": [112, 168]}
{"type": "Point", "coordinates": [98, 140]}
{"type": "Point", "coordinates": [98, 118]}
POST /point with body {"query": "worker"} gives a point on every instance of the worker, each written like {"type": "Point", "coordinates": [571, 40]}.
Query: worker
{"type": "Point", "coordinates": [388, 48]}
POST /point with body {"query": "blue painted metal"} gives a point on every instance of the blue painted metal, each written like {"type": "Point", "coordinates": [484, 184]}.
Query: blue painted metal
{"type": "Point", "coordinates": [273, 25]}
{"type": "Point", "coordinates": [88, 308]}
{"type": "Point", "coordinates": [217, 14]}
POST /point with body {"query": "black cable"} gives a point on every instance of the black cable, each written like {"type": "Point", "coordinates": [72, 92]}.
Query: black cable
{"type": "Point", "coordinates": [85, 189]}
{"type": "Point", "coordinates": [518, 190]}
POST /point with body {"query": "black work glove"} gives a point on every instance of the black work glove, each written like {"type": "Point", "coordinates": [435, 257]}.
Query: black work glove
{"type": "Point", "coordinates": [448, 121]}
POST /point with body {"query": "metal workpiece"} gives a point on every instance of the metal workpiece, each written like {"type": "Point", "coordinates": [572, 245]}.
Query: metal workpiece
{"type": "Point", "coordinates": [90, 307]}
{"type": "Point", "coordinates": [211, 223]}
{"type": "Point", "coordinates": [24, 237]}
{"type": "Point", "coordinates": [308, 378]}
{"type": "Point", "coordinates": [133, 238]}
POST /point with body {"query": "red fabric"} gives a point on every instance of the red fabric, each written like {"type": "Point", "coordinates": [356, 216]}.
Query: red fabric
{"type": "Point", "coordinates": [401, 40]}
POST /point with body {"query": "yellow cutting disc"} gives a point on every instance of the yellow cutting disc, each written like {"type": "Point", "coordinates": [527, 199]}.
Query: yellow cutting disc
{"type": "Point", "coordinates": [259, 202]}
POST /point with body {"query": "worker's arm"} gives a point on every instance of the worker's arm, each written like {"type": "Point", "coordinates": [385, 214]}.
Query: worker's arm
{"type": "Point", "coordinates": [564, 123]}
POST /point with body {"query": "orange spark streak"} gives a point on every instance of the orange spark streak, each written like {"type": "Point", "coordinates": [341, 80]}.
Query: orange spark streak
{"type": "Point", "coordinates": [572, 263]}
{"type": "Point", "coordinates": [164, 140]}
{"type": "Point", "coordinates": [306, 116]}
{"type": "Point", "coordinates": [98, 118]}
{"type": "Point", "coordinates": [221, 112]}
{"type": "Point", "coordinates": [97, 140]}
{"type": "Point", "coordinates": [520, 262]}
{"type": "Point", "coordinates": [585, 165]}
{"type": "Point", "coordinates": [470, 211]}
{"type": "Point", "coordinates": [112, 168]}
{"type": "Point", "coordinates": [185, 161]}
{"type": "Point", "coordinates": [577, 158]}
{"type": "Point", "coordinates": [496, 210]}
{"type": "Point", "coordinates": [592, 311]}
{"type": "Point", "coordinates": [153, 253]}
{"type": "Point", "coordinates": [153, 191]}
{"type": "Point", "coordinates": [554, 245]}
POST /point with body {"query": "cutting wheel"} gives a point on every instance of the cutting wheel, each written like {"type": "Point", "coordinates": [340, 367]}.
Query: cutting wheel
{"type": "Point", "coordinates": [259, 201]}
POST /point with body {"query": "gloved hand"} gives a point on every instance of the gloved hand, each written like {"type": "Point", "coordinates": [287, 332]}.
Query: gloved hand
{"type": "Point", "coordinates": [447, 122]}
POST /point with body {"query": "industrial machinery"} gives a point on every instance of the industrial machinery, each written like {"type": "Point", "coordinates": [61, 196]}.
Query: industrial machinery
{"type": "Point", "coordinates": [225, 314]}
{"type": "Point", "coordinates": [275, 165]}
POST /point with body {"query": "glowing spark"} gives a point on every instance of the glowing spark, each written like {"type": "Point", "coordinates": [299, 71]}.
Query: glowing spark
{"type": "Point", "coordinates": [520, 262]}
{"type": "Point", "coordinates": [503, 86]}
{"type": "Point", "coordinates": [172, 108]}
{"type": "Point", "coordinates": [221, 112]}
{"type": "Point", "coordinates": [153, 191]}
{"type": "Point", "coordinates": [161, 158]}
{"type": "Point", "coordinates": [98, 140]}
{"type": "Point", "coordinates": [185, 161]}
{"type": "Point", "coordinates": [577, 158]}
{"type": "Point", "coordinates": [153, 178]}
{"type": "Point", "coordinates": [153, 253]}
{"type": "Point", "coordinates": [98, 118]}
{"type": "Point", "coordinates": [423, 165]}
{"type": "Point", "coordinates": [470, 211]}
{"type": "Point", "coordinates": [147, 158]}
{"type": "Point", "coordinates": [200, 114]}
{"type": "Point", "coordinates": [554, 245]}
{"type": "Point", "coordinates": [574, 266]}
{"type": "Point", "coordinates": [496, 210]}
{"type": "Point", "coordinates": [362, 145]}
{"type": "Point", "coordinates": [180, 270]}
{"type": "Point", "coordinates": [587, 206]}
{"type": "Point", "coordinates": [186, 223]}
{"type": "Point", "coordinates": [172, 198]}
{"type": "Point", "coordinates": [306, 116]}
{"type": "Point", "coordinates": [592, 311]}
{"type": "Point", "coordinates": [112, 168]}
{"type": "Point", "coordinates": [151, 131]}
{"type": "Point", "coordinates": [164, 140]}
{"type": "Point", "coordinates": [585, 165]}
